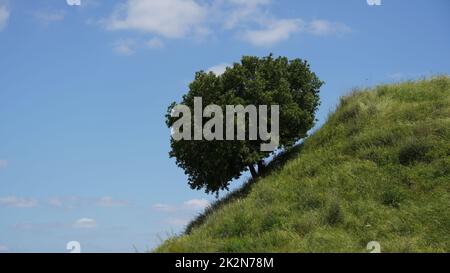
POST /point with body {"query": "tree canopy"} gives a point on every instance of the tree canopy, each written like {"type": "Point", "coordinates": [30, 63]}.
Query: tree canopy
{"type": "Point", "coordinates": [213, 164]}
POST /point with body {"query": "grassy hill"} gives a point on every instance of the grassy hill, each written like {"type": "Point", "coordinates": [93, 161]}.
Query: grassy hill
{"type": "Point", "coordinates": [379, 169]}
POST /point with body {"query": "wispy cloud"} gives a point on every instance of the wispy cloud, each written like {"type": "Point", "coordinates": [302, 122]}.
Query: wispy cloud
{"type": "Point", "coordinates": [129, 46]}
{"type": "Point", "coordinates": [189, 205]}
{"type": "Point", "coordinates": [243, 11]}
{"type": "Point", "coordinates": [73, 202]}
{"type": "Point", "coordinates": [67, 202]}
{"type": "Point", "coordinates": [41, 227]}
{"type": "Point", "coordinates": [3, 248]}
{"type": "Point", "coordinates": [273, 32]}
{"type": "Point", "coordinates": [46, 17]}
{"type": "Point", "coordinates": [18, 202]}
{"type": "Point", "coordinates": [276, 31]}
{"type": "Point", "coordinates": [4, 16]}
{"type": "Point", "coordinates": [125, 47]}
{"type": "Point", "coordinates": [110, 202]}
{"type": "Point", "coordinates": [85, 223]}
{"type": "Point", "coordinates": [155, 43]}
{"type": "Point", "coordinates": [164, 207]}
{"type": "Point", "coordinates": [325, 28]}
{"type": "Point", "coordinates": [250, 20]}
{"type": "Point", "coordinates": [196, 204]}
{"type": "Point", "coordinates": [179, 215]}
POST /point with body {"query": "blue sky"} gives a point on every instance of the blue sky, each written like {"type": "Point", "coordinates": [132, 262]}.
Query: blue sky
{"type": "Point", "coordinates": [84, 89]}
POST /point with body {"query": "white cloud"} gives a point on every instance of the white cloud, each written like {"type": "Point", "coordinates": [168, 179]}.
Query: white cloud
{"type": "Point", "coordinates": [274, 32]}
{"type": "Point", "coordinates": [73, 202]}
{"type": "Point", "coordinates": [324, 27]}
{"type": "Point", "coordinates": [155, 43]}
{"type": "Point", "coordinates": [4, 16]}
{"type": "Point", "coordinates": [3, 248]}
{"type": "Point", "coordinates": [180, 214]}
{"type": "Point", "coordinates": [243, 11]}
{"type": "Point", "coordinates": [47, 17]}
{"type": "Point", "coordinates": [85, 223]}
{"type": "Point", "coordinates": [196, 204]}
{"type": "Point", "coordinates": [3, 163]}
{"type": "Point", "coordinates": [218, 69]}
{"type": "Point", "coordinates": [125, 47]}
{"type": "Point", "coordinates": [67, 202]}
{"type": "Point", "coordinates": [164, 208]}
{"type": "Point", "coordinates": [128, 47]}
{"type": "Point", "coordinates": [56, 202]}
{"type": "Point", "coordinates": [189, 205]}
{"type": "Point", "coordinates": [251, 20]}
{"type": "Point", "coordinates": [39, 226]}
{"type": "Point", "coordinates": [168, 18]}
{"type": "Point", "coordinates": [18, 202]}
{"type": "Point", "coordinates": [108, 201]}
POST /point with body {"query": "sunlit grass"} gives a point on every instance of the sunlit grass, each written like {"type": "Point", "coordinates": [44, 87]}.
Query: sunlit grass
{"type": "Point", "coordinates": [378, 170]}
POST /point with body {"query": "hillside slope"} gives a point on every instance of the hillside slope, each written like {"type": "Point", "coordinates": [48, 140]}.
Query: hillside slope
{"type": "Point", "coordinates": [379, 169]}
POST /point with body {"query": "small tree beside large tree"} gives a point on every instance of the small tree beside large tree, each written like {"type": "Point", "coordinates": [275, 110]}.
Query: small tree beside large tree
{"type": "Point", "coordinates": [291, 84]}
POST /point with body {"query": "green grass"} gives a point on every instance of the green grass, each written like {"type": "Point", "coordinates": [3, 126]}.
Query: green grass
{"type": "Point", "coordinates": [379, 169]}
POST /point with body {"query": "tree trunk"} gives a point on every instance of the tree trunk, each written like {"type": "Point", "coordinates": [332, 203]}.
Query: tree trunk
{"type": "Point", "coordinates": [261, 167]}
{"type": "Point", "coordinates": [252, 171]}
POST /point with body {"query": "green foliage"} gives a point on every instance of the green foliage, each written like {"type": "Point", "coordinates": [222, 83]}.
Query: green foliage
{"type": "Point", "coordinates": [254, 81]}
{"type": "Point", "coordinates": [379, 173]}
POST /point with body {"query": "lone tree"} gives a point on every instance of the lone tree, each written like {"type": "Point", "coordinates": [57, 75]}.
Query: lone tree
{"type": "Point", "coordinates": [212, 164]}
